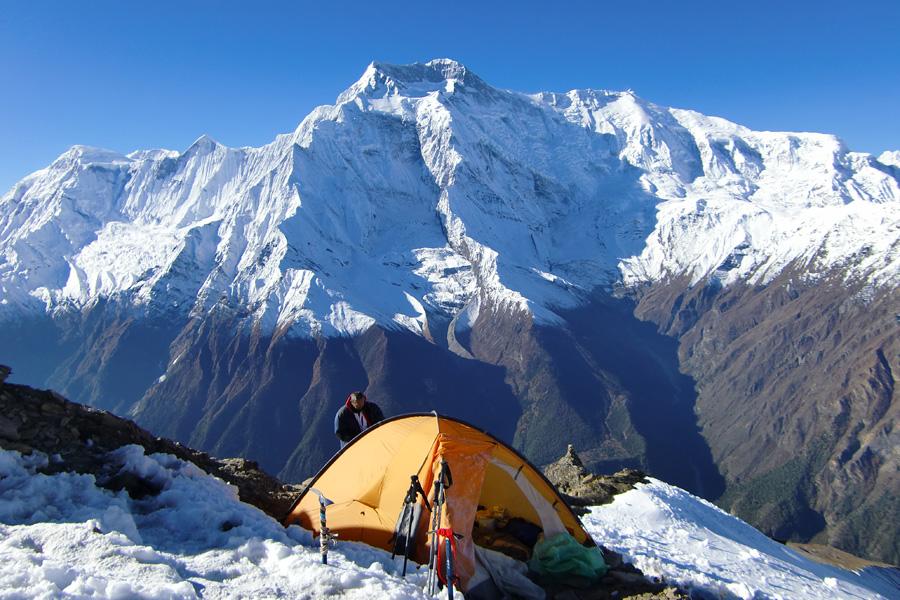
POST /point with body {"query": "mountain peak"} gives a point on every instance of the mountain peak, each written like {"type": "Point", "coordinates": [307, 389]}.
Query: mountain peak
{"type": "Point", "coordinates": [439, 69]}
{"type": "Point", "coordinates": [203, 144]}
{"type": "Point", "coordinates": [89, 154]}
{"type": "Point", "coordinates": [890, 158]}
{"type": "Point", "coordinates": [417, 79]}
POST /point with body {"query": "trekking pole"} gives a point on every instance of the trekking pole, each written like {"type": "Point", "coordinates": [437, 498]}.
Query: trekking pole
{"type": "Point", "coordinates": [448, 569]}
{"type": "Point", "coordinates": [438, 501]}
{"type": "Point", "coordinates": [406, 544]}
{"type": "Point", "coordinates": [325, 535]}
{"type": "Point", "coordinates": [397, 534]}
{"type": "Point", "coordinates": [415, 489]}
{"type": "Point", "coordinates": [450, 538]}
{"type": "Point", "coordinates": [409, 503]}
{"type": "Point", "coordinates": [445, 480]}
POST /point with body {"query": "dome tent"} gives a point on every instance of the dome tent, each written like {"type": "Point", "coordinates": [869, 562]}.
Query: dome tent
{"type": "Point", "coordinates": [369, 478]}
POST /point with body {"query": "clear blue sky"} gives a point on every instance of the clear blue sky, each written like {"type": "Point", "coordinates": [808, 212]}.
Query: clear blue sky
{"type": "Point", "coordinates": [129, 75]}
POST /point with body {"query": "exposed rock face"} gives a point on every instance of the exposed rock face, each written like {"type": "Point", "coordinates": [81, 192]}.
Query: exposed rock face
{"type": "Point", "coordinates": [78, 438]}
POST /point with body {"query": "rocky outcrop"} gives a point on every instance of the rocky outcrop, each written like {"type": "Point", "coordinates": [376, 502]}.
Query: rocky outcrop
{"type": "Point", "coordinates": [582, 488]}
{"type": "Point", "coordinates": [79, 438]}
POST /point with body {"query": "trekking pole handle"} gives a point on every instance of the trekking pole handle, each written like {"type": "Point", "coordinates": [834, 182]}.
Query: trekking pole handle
{"type": "Point", "coordinates": [418, 487]}
{"type": "Point", "coordinates": [445, 472]}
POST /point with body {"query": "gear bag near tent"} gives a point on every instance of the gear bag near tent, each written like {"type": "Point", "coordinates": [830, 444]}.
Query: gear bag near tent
{"type": "Point", "coordinates": [368, 482]}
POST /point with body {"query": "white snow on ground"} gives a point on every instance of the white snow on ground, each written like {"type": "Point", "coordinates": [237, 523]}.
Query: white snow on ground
{"type": "Point", "coordinates": [62, 536]}
{"type": "Point", "coordinates": [668, 533]}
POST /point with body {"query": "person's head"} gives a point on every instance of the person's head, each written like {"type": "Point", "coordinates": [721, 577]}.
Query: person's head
{"type": "Point", "coordinates": [357, 400]}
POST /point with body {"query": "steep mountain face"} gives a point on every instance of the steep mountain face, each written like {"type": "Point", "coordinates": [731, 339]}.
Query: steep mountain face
{"type": "Point", "coordinates": [663, 289]}
{"type": "Point", "coordinates": [797, 399]}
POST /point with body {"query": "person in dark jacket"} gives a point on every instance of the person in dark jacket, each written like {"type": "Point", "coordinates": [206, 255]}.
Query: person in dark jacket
{"type": "Point", "coordinates": [355, 416]}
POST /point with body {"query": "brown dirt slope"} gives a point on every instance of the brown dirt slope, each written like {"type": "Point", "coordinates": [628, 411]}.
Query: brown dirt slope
{"type": "Point", "coordinates": [798, 400]}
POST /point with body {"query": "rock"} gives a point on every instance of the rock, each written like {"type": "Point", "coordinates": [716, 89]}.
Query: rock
{"type": "Point", "coordinates": [23, 448]}
{"type": "Point", "coordinates": [580, 487]}
{"type": "Point", "coordinates": [136, 486]}
{"type": "Point", "coordinates": [624, 577]}
{"type": "Point", "coordinates": [9, 429]}
{"type": "Point", "coordinates": [52, 408]}
{"type": "Point", "coordinates": [670, 593]}
{"type": "Point", "coordinates": [110, 420]}
{"type": "Point", "coordinates": [612, 559]}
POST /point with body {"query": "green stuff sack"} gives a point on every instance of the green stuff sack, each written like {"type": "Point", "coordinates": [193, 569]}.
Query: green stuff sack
{"type": "Point", "coordinates": [561, 559]}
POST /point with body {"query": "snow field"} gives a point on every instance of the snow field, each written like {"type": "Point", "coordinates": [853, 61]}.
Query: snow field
{"type": "Point", "coordinates": [668, 533]}
{"type": "Point", "coordinates": [62, 536]}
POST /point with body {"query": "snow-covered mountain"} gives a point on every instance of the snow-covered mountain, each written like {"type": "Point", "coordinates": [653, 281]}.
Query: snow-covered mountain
{"type": "Point", "coordinates": [423, 190]}
{"type": "Point", "coordinates": [661, 288]}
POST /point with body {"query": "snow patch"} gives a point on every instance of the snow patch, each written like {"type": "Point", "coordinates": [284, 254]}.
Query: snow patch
{"type": "Point", "coordinates": [668, 533]}
{"type": "Point", "coordinates": [61, 535]}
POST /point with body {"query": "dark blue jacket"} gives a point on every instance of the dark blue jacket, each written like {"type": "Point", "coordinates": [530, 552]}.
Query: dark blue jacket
{"type": "Point", "coordinates": [346, 426]}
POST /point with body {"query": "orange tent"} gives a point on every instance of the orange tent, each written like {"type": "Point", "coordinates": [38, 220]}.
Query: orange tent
{"type": "Point", "coordinates": [369, 478]}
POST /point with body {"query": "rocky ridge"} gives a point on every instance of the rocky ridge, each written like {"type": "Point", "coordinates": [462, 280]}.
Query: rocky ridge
{"type": "Point", "coordinates": [79, 438]}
